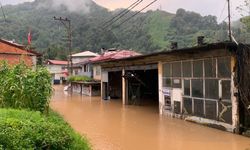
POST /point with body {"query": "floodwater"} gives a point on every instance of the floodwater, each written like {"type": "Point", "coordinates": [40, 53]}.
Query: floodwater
{"type": "Point", "coordinates": [111, 126]}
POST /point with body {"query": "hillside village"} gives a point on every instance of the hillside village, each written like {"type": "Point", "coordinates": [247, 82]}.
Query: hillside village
{"type": "Point", "coordinates": [178, 68]}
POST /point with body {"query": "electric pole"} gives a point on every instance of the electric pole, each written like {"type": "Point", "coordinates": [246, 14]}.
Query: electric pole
{"type": "Point", "coordinates": [229, 22]}
{"type": "Point", "coordinates": [67, 24]}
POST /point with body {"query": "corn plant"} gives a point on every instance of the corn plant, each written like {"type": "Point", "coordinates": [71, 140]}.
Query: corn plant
{"type": "Point", "coordinates": [22, 87]}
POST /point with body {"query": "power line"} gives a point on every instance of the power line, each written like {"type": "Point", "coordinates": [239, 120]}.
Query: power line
{"type": "Point", "coordinates": [223, 10]}
{"type": "Point", "coordinates": [3, 12]}
{"type": "Point", "coordinates": [136, 13]}
{"type": "Point", "coordinates": [123, 14]}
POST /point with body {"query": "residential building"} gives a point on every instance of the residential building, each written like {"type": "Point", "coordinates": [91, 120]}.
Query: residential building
{"type": "Point", "coordinates": [58, 70]}
{"type": "Point", "coordinates": [14, 53]}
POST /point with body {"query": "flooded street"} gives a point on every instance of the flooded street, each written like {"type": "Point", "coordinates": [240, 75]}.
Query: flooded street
{"type": "Point", "coordinates": [111, 126]}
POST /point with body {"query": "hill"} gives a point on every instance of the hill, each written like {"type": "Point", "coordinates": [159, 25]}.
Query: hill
{"type": "Point", "coordinates": [146, 32]}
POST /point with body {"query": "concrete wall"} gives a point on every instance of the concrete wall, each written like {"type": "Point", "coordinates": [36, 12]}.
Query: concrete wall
{"type": "Point", "coordinates": [97, 72]}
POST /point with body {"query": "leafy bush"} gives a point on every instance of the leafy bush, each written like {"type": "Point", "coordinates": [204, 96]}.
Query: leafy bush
{"type": "Point", "coordinates": [80, 78]}
{"type": "Point", "coordinates": [20, 129]}
{"type": "Point", "coordinates": [22, 87]}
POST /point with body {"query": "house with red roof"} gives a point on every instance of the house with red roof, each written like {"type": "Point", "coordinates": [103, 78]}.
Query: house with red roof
{"type": "Point", "coordinates": [109, 55]}
{"type": "Point", "coordinates": [14, 53]}
{"type": "Point", "coordinates": [57, 69]}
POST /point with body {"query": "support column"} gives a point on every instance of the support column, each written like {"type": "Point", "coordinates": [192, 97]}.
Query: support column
{"type": "Point", "coordinates": [124, 92]}
{"type": "Point", "coordinates": [161, 100]}
{"type": "Point", "coordinates": [234, 97]}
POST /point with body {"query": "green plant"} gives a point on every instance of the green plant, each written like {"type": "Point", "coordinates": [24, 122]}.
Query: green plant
{"type": "Point", "coordinates": [80, 78]}
{"type": "Point", "coordinates": [23, 87]}
{"type": "Point", "coordinates": [21, 129]}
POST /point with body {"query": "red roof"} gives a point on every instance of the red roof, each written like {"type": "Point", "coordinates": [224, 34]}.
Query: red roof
{"type": "Point", "coordinates": [7, 47]}
{"type": "Point", "coordinates": [114, 55]}
{"type": "Point", "coordinates": [16, 48]}
{"type": "Point", "coordinates": [57, 62]}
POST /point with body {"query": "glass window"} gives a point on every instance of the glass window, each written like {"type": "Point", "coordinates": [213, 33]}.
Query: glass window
{"type": "Point", "coordinates": [176, 69]}
{"type": "Point", "coordinates": [199, 107]}
{"type": "Point", "coordinates": [224, 67]}
{"type": "Point", "coordinates": [176, 83]}
{"type": "Point", "coordinates": [198, 68]}
{"type": "Point", "coordinates": [167, 82]}
{"type": "Point", "coordinates": [187, 87]}
{"type": "Point", "coordinates": [187, 105]}
{"type": "Point", "coordinates": [197, 88]}
{"type": "Point", "coordinates": [226, 89]}
{"type": "Point", "coordinates": [210, 67]}
{"type": "Point", "coordinates": [211, 109]}
{"type": "Point", "coordinates": [186, 69]}
{"type": "Point", "coordinates": [225, 111]}
{"type": "Point", "coordinates": [167, 70]}
{"type": "Point", "coordinates": [212, 88]}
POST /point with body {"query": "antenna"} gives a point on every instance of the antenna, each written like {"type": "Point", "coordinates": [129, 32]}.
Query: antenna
{"type": "Point", "coordinates": [3, 11]}
{"type": "Point", "coordinates": [229, 22]}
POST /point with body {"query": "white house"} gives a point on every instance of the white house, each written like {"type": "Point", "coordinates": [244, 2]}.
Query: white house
{"type": "Point", "coordinates": [57, 69]}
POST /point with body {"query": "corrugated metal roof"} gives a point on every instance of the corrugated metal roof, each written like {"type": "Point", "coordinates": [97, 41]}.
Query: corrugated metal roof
{"type": "Point", "coordinates": [57, 62]}
{"type": "Point", "coordinates": [114, 55]}
{"type": "Point", "coordinates": [85, 54]}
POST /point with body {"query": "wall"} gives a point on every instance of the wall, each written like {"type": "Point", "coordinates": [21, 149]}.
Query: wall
{"type": "Point", "coordinates": [97, 72]}
{"type": "Point", "coordinates": [15, 59]}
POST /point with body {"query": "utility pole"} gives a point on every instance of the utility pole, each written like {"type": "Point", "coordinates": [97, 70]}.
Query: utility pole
{"type": "Point", "coordinates": [229, 22]}
{"type": "Point", "coordinates": [67, 24]}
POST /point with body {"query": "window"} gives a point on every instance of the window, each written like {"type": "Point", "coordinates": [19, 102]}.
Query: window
{"type": "Point", "coordinates": [187, 105]}
{"type": "Point", "coordinates": [199, 107]}
{"type": "Point", "coordinates": [186, 69]}
{"type": "Point", "coordinates": [211, 109]}
{"type": "Point", "coordinates": [197, 88]}
{"type": "Point", "coordinates": [212, 89]}
{"type": "Point", "coordinates": [176, 83]}
{"type": "Point", "coordinates": [167, 82]}
{"type": "Point", "coordinates": [167, 69]}
{"type": "Point", "coordinates": [98, 70]}
{"type": "Point", "coordinates": [226, 89]}
{"type": "Point", "coordinates": [176, 69]}
{"type": "Point", "coordinates": [187, 87]}
{"type": "Point", "coordinates": [224, 67]}
{"type": "Point", "coordinates": [198, 68]}
{"type": "Point", "coordinates": [210, 67]}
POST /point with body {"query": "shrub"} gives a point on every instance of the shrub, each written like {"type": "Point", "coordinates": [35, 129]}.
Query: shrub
{"type": "Point", "coordinates": [22, 87]}
{"type": "Point", "coordinates": [20, 129]}
{"type": "Point", "coordinates": [80, 78]}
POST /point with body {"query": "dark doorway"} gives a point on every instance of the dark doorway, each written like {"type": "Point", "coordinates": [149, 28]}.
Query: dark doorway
{"type": "Point", "coordinates": [115, 85]}
{"type": "Point", "coordinates": [143, 87]}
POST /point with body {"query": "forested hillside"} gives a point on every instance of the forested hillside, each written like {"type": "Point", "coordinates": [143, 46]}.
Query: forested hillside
{"type": "Point", "coordinates": [146, 32]}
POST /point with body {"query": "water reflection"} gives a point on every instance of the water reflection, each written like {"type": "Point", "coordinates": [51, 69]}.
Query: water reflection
{"type": "Point", "coordinates": [111, 126]}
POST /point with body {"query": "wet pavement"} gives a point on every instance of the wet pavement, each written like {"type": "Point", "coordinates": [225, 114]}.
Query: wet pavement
{"type": "Point", "coordinates": [111, 126]}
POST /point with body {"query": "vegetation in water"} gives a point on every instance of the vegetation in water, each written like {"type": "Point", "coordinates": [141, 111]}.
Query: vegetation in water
{"type": "Point", "coordinates": [21, 129]}
{"type": "Point", "coordinates": [80, 78]}
{"type": "Point", "coordinates": [24, 87]}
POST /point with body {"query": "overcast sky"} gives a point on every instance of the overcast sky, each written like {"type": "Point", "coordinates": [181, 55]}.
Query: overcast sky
{"type": "Point", "coordinates": [205, 7]}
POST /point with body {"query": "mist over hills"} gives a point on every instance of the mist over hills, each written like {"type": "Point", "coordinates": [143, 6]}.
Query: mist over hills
{"type": "Point", "coordinates": [147, 32]}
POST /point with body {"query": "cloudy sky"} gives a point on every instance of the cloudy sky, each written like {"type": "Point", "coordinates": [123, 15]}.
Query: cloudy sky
{"type": "Point", "coordinates": [205, 7]}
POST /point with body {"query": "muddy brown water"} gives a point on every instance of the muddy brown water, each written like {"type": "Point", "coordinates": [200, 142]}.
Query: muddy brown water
{"type": "Point", "coordinates": [111, 126]}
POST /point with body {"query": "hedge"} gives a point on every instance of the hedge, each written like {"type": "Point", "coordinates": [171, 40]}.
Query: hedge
{"type": "Point", "coordinates": [21, 129]}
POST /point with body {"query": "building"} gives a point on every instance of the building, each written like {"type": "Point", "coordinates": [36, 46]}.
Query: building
{"type": "Point", "coordinates": [92, 67]}
{"type": "Point", "coordinates": [14, 53]}
{"type": "Point", "coordinates": [199, 84]}
{"type": "Point", "coordinates": [81, 64]}
{"type": "Point", "coordinates": [58, 71]}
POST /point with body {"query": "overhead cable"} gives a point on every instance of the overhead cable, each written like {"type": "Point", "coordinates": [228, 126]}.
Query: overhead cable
{"type": "Point", "coordinates": [122, 14]}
